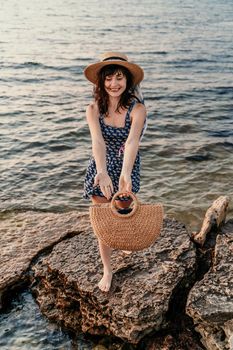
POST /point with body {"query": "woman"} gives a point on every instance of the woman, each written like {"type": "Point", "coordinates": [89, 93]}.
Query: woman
{"type": "Point", "coordinates": [116, 121]}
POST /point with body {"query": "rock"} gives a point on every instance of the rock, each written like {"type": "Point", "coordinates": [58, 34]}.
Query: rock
{"type": "Point", "coordinates": [214, 216]}
{"type": "Point", "coordinates": [210, 302]}
{"type": "Point", "coordinates": [65, 284]}
{"type": "Point", "coordinates": [183, 341]}
{"type": "Point", "coordinates": [25, 235]}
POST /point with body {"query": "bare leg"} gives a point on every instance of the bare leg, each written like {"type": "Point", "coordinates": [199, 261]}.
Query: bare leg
{"type": "Point", "coordinates": [106, 280]}
{"type": "Point", "coordinates": [105, 253]}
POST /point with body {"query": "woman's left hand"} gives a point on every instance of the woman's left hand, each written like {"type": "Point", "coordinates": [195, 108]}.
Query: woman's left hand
{"type": "Point", "coordinates": [125, 183]}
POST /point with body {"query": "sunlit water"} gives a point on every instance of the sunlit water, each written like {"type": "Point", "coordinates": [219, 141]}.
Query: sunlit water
{"type": "Point", "coordinates": [186, 51]}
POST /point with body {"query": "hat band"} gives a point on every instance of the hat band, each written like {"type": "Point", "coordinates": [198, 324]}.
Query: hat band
{"type": "Point", "coordinates": [114, 58]}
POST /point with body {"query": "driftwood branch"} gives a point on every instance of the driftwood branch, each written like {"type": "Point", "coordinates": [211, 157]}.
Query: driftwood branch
{"type": "Point", "coordinates": [214, 216]}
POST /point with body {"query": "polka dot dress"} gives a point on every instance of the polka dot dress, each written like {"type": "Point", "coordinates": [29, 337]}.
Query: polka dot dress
{"type": "Point", "coordinates": [114, 138]}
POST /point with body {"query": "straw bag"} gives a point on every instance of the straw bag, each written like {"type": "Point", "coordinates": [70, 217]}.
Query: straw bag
{"type": "Point", "coordinates": [134, 230]}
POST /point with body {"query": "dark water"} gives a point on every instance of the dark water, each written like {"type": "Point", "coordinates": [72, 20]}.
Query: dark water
{"type": "Point", "coordinates": [186, 50]}
{"type": "Point", "coordinates": [23, 327]}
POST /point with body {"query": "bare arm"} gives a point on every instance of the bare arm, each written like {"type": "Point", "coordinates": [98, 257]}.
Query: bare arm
{"type": "Point", "coordinates": [99, 151]}
{"type": "Point", "coordinates": [131, 146]}
{"type": "Point", "coordinates": [98, 144]}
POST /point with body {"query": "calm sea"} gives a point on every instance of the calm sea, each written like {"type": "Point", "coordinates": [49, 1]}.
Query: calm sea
{"type": "Point", "coordinates": [186, 50]}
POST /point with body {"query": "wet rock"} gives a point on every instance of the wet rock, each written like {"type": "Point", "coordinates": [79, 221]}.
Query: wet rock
{"type": "Point", "coordinates": [210, 301]}
{"type": "Point", "coordinates": [25, 235]}
{"type": "Point", "coordinates": [65, 284]}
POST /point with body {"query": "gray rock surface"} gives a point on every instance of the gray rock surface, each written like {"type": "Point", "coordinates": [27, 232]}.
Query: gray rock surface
{"type": "Point", "coordinates": [65, 284]}
{"type": "Point", "coordinates": [210, 302]}
{"type": "Point", "coordinates": [25, 235]}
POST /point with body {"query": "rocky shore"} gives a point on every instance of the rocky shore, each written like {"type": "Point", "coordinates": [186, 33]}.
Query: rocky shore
{"type": "Point", "coordinates": [177, 294]}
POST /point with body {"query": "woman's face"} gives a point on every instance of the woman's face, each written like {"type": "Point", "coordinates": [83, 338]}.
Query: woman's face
{"type": "Point", "coordinates": [115, 84]}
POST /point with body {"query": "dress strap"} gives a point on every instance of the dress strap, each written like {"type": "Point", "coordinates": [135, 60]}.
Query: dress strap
{"type": "Point", "coordinates": [132, 104]}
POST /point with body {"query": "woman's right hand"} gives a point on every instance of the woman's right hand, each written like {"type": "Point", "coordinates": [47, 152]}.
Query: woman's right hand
{"type": "Point", "coordinates": [105, 183]}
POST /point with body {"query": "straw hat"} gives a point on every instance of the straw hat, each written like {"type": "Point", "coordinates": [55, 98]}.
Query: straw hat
{"type": "Point", "coordinates": [91, 71]}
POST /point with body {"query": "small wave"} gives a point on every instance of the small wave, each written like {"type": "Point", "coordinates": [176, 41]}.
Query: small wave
{"type": "Point", "coordinates": [162, 53]}
{"type": "Point", "coordinates": [64, 120]}
{"type": "Point", "coordinates": [35, 144]}
{"type": "Point", "coordinates": [226, 144]}
{"type": "Point", "coordinates": [216, 147]}
{"type": "Point", "coordinates": [27, 65]}
{"type": "Point", "coordinates": [12, 114]}
{"type": "Point", "coordinates": [37, 65]}
{"type": "Point", "coordinates": [61, 147]}
{"type": "Point", "coordinates": [220, 133]}
{"type": "Point", "coordinates": [176, 128]}
{"type": "Point", "coordinates": [154, 98]}
{"type": "Point", "coordinates": [69, 135]}
{"type": "Point", "coordinates": [184, 63]}
{"type": "Point", "coordinates": [218, 90]}
{"type": "Point", "coordinates": [199, 157]}
{"type": "Point", "coordinates": [181, 96]}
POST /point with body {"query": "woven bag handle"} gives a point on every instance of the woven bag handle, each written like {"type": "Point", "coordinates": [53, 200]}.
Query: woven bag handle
{"type": "Point", "coordinates": [130, 194]}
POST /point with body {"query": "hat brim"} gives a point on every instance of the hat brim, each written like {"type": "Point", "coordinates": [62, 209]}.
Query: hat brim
{"type": "Point", "coordinates": [91, 71]}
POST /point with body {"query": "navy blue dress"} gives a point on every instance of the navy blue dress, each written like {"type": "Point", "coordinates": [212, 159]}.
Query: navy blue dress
{"type": "Point", "coordinates": [114, 138]}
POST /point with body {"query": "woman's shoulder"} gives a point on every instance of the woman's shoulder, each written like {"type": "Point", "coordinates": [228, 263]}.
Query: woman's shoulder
{"type": "Point", "coordinates": [138, 107]}
{"type": "Point", "coordinates": [92, 109]}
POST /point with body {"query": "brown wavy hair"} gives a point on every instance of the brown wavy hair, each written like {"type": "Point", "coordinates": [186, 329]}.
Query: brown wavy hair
{"type": "Point", "coordinates": [101, 96]}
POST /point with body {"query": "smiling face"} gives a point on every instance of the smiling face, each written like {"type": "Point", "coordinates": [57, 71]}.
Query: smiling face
{"type": "Point", "coordinates": [114, 81]}
{"type": "Point", "coordinates": [115, 84]}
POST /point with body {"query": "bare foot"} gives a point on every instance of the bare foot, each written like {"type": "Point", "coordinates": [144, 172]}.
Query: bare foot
{"type": "Point", "coordinates": [127, 252]}
{"type": "Point", "coordinates": [105, 282]}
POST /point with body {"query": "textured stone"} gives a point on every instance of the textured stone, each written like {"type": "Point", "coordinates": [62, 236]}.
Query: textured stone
{"type": "Point", "coordinates": [65, 284]}
{"type": "Point", "coordinates": [183, 341]}
{"type": "Point", "coordinates": [214, 216]}
{"type": "Point", "coordinates": [210, 301]}
{"type": "Point", "coordinates": [25, 235]}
